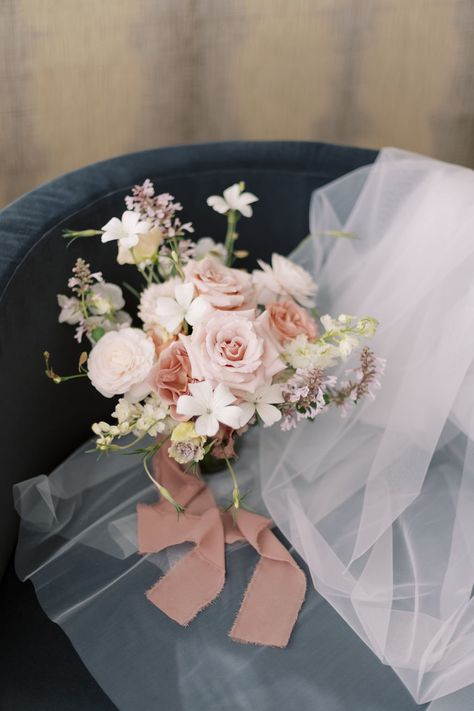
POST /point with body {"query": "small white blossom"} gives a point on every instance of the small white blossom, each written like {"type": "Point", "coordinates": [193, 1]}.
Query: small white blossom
{"type": "Point", "coordinates": [233, 199]}
{"type": "Point", "coordinates": [206, 247]}
{"type": "Point", "coordinates": [263, 403]}
{"type": "Point", "coordinates": [105, 298]}
{"type": "Point", "coordinates": [210, 407]}
{"type": "Point", "coordinates": [126, 231]}
{"type": "Point", "coordinates": [300, 353]}
{"type": "Point", "coordinates": [70, 309]}
{"type": "Point", "coordinates": [171, 312]}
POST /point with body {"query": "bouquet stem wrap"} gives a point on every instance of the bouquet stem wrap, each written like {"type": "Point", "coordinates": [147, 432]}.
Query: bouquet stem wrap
{"type": "Point", "coordinates": [276, 591]}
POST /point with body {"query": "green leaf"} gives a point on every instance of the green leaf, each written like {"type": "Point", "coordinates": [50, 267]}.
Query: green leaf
{"type": "Point", "coordinates": [97, 333]}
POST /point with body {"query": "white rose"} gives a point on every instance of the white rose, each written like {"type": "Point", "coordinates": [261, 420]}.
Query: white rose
{"type": "Point", "coordinates": [284, 278]}
{"type": "Point", "coordinates": [120, 360]}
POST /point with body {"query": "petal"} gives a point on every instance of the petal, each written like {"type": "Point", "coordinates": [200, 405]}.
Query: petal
{"type": "Point", "coordinates": [184, 294]}
{"type": "Point", "coordinates": [230, 416]}
{"type": "Point", "coordinates": [248, 198]}
{"type": "Point", "coordinates": [269, 413]}
{"type": "Point", "coordinates": [169, 313]}
{"type": "Point", "coordinates": [222, 397]}
{"type": "Point", "coordinates": [188, 406]}
{"type": "Point", "coordinates": [130, 220]}
{"type": "Point", "coordinates": [218, 204]}
{"type": "Point", "coordinates": [112, 230]}
{"type": "Point", "coordinates": [129, 241]}
{"type": "Point", "coordinates": [206, 425]}
{"type": "Point", "coordinates": [198, 310]}
{"type": "Point", "coordinates": [202, 392]}
{"type": "Point", "coordinates": [248, 410]}
{"type": "Point", "coordinates": [272, 394]}
{"type": "Point", "coordinates": [245, 210]}
{"type": "Point", "coordinates": [232, 195]}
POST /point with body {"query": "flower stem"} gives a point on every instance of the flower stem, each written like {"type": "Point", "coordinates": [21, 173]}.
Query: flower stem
{"type": "Point", "coordinates": [231, 235]}
{"type": "Point", "coordinates": [162, 489]}
{"type": "Point", "coordinates": [236, 497]}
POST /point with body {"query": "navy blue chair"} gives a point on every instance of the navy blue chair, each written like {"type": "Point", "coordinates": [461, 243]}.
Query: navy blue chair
{"type": "Point", "coordinates": [42, 424]}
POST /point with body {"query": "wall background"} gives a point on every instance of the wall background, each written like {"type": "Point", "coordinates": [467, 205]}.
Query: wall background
{"type": "Point", "coordinates": [83, 80]}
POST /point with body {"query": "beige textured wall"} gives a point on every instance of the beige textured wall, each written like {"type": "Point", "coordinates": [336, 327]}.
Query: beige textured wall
{"type": "Point", "coordinates": [82, 80]}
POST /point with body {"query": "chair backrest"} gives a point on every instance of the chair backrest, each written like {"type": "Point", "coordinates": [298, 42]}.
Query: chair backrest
{"type": "Point", "coordinates": [42, 423]}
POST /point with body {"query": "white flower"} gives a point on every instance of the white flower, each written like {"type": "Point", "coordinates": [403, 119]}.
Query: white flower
{"type": "Point", "coordinates": [233, 199]}
{"type": "Point", "coordinates": [210, 407]}
{"type": "Point", "coordinates": [105, 298]}
{"type": "Point", "coordinates": [120, 360]}
{"type": "Point", "coordinates": [300, 353]}
{"type": "Point", "coordinates": [171, 312]}
{"type": "Point", "coordinates": [284, 278]}
{"type": "Point", "coordinates": [152, 418]}
{"type": "Point", "coordinates": [206, 247]}
{"type": "Point", "coordinates": [126, 231]}
{"type": "Point", "coordinates": [263, 403]}
{"type": "Point", "coordinates": [70, 309]}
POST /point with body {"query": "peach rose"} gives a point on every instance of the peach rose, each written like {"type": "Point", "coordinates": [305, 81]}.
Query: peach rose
{"type": "Point", "coordinates": [234, 349]}
{"type": "Point", "coordinates": [288, 320]}
{"type": "Point", "coordinates": [169, 377]}
{"type": "Point", "coordinates": [223, 287]}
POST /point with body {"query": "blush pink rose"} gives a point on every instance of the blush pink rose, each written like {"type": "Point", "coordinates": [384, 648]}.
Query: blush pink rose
{"type": "Point", "coordinates": [223, 287]}
{"type": "Point", "coordinates": [288, 320]}
{"type": "Point", "coordinates": [233, 349]}
{"type": "Point", "coordinates": [170, 376]}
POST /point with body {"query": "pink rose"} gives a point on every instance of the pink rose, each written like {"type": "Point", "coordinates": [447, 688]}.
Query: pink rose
{"type": "Point", "coordinates": [288, 320]}
{"type": "Point", "coordinates": [169, 377]}
{"type": "Point", "coordinates": [233, 349]}
{"type": "Point", "coordinates": [223, 287]}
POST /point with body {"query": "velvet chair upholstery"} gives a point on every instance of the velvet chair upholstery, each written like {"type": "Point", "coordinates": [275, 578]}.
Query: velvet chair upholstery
{"type": "Point", "coordinates": [42, 423]}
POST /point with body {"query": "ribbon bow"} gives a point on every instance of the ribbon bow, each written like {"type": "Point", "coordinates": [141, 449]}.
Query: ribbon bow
{"type": "Point", "coordinates": [276, 591]}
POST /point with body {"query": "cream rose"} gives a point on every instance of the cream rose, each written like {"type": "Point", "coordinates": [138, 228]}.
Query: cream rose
{"type": "Point", "coordinates": [284, 278]}
{"type": "Point", "coordinates": [235, 350]}
{"type": "Point", "coordinates": [120, 360]}
{"type": "Point", "coordinates": [223, 287]}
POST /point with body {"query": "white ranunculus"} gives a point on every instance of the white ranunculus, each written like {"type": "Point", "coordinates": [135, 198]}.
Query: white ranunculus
{"type": "Point", "coordinates": [284, 278]}
{"type": "Point", "coordinates": [105, 298]}
{"type": "Point", "coordinates": [120, 360]}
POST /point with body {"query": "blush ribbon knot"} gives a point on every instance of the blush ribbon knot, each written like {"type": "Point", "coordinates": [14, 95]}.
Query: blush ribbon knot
{"type": "Point", "coordinates": [277, 588]}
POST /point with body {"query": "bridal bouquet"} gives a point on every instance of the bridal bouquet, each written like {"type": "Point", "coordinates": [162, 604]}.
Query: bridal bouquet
{"type": "Point", "coordinates": [217, 349]}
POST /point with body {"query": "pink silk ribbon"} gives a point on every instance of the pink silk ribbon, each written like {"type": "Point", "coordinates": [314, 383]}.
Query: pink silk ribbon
{"type": "Point", "coordinates": [276, 591]}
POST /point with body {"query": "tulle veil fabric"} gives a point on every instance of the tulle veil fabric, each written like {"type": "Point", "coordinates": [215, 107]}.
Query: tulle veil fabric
{"type": "Point", "coordinates": [379, 504]}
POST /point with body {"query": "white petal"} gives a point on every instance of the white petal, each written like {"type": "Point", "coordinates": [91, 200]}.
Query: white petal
{"type": "Point", "coordinates": [222, 397]}
{"type": "Point", "coordinates": [129, 241]}
{"type": "Point", "coordinates": [230, 416]}
{"type": "Point", "coordinates": [184, 294]}
{"type": "Point", "coordinates": [269, 413]}
{"type": "Point", "coordinates": [202, 392]}
{"type": "Point", "coordinates": [169, 313]}
{"type": "Point", "coordinates": [248, 198]}
{"type": "Point", "coordinates": [272, 394]}
{"type": "Point", "coordinates": [143, 227]}
{"type": "Point", "coordinates": [130, 220]}
{"type": "Point", "coordinates": [198, 310]}
{"type": "Point", "coordinates": [246, 210]}
{"type": "Point", "coordinates": [231, 196]}
{"type": "Point", "coordinates": [206, 425]}
{"type": "Point", "coordinates": [218, 204]}
{"type": "Point", "coordinates": [112, 230]}
{"type": "Point", "coordinates": [248, 410]}
{"type": "Point", "coordinates": [188, 406]}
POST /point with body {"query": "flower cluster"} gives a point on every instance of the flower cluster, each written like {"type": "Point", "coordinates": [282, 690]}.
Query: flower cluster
{"type": "Point", "coordinates": [219, 349]}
